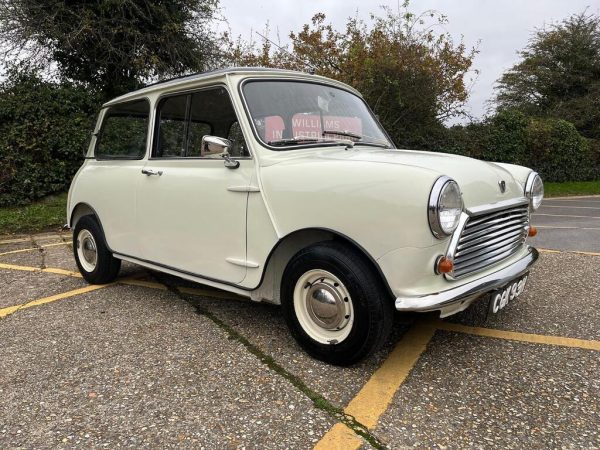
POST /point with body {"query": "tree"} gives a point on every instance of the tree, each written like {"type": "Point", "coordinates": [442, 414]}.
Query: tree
{"type": "Point", "coordinates": [558, 75]}
{"type": "Point", "coordinates": [412, 77]}
{"type": "Point", "coordinates": [44, 127]}
{"type": "Point", "coordinates": [114, 45]}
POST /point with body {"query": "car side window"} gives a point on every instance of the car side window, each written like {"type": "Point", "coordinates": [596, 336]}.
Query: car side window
{"type": "Point", "coordinates": [183, 120]}
{"type": "Point", "coordinates": [170, 141]}
{"type": "Point", "coordinates": [124, 131]}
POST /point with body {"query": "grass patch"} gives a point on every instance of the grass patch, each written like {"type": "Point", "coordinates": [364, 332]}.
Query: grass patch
{"type": "Point", "coordinates": [572, 188]}
{"type": "Point", "coordinates": [46, 214]}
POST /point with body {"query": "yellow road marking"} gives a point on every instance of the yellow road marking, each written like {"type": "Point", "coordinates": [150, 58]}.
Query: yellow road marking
{"type": "Point", "coordinates": [588, 253]}
{"type": "Point", "coordinates": [12, 309]}
{"type": "Point", "coordinates": [14, 241]}
{"type": "Point", "coordinates": [376, 395]}
{"type": "Point", "coordinates": [339, 437]}
{"type": "Point", "coordinates": [522, 337]}
{"type": "Point", "coordinates": [37, 269]}
{"type": "Point", "coordinates": [547, 250]}
{"type": "Point", "coordinates": [28, 239]}
{"type": "Point", "coordinates": [34, 248]}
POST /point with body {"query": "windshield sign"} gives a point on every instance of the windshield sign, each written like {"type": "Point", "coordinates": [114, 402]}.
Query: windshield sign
{"type": "Point", "coordinates": [293, 113]}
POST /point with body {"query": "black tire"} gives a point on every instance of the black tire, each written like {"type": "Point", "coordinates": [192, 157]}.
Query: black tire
{"type": "Point", "coordinates": [372, 307]}
{"type": "Point", "coordinates": [106, 267]}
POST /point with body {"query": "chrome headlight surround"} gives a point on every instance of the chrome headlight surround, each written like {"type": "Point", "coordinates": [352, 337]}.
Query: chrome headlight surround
{"type": "Point", "coordinates": [445, 207]}
{"type": "Point", "coordinates": [534, 190]}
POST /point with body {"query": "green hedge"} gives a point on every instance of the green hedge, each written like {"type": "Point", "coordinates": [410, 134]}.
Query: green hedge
{"type": "Point", "coordinates": [44, 127]}
{"type": "Point", "coordinates": [552, 147]}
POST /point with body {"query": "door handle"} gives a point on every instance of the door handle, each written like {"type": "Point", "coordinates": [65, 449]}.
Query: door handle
{"type": "Point", "coordinates": [152, 172]}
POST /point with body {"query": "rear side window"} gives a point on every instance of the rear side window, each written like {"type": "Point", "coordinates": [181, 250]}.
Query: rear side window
{"type": "Point", "coordinates": [124, 131]}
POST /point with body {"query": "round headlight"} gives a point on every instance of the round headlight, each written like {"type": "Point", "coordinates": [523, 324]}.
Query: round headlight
{"type": "Point", "coordinates": [534, 190]}
{"type": "Point", "coordinates": [445, 207]}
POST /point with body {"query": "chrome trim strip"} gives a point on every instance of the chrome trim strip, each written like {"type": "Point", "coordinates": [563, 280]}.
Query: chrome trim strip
{"type": "Point", "coordinates": [469, 238]}
{"type": "Point", "coordinates": [474, 264]}
{"type": "Point", "coordinates": [486, 228]}
{"type": "Point", "coordinates": [496, 241]}
{"type": "Point", "coordinates": [456, 236]}
{"type": "Point", "coordinates": [485, 220]}
{"type": "Point", "coordinates": [493, 207]}
{"type": "Point", "coordinates": [483, 285]}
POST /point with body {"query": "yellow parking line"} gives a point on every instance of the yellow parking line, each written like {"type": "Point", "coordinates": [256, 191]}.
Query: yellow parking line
{"type": "Point", "coordinates": [28, 239]}
{"type": "Point", "coordinates": [547, 250]}
{"type": "Point", "coordinates": [522, 337]}
{"type": "Point", "coordinates": [37, 269]}
{"type": "Point", "coordinates": [34, 248]}
{"type": "Point", "coordinates": [12, 309]}
{"type": "Point", "coordinates": [587, 253]}
{"type": "Point", "coordinates": [376, 395]}
{"type": "Point", "coordinates": [14, 241]}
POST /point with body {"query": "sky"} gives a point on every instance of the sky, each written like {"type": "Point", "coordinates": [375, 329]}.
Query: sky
{"type": "Point", "coordinates": [499, 29]}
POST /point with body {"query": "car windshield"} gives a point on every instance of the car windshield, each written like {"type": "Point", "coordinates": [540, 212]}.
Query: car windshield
{"type": "Point", "coordinates": [288, 114]}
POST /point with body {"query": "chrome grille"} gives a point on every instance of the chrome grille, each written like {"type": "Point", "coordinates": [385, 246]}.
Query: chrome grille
{"type": "Point", "coordinates": [489, 238]}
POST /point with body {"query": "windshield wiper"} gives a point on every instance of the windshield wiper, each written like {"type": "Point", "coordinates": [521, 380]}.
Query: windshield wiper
{"type": "Point", "coordinates": [358, 137]}
{"type": "Point", "coordinates": [342, 133]}
{"type": "Point", "coordinates": [299, 140]}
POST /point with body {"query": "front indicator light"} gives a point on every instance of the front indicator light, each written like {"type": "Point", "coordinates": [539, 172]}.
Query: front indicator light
{"type": "Point", "coordinates": [532, 231]}
{"type": "Point", "coordinates": [444, 265]}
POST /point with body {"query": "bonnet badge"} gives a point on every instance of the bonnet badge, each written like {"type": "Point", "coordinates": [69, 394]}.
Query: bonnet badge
{"type": "Point", "coordinates": [502, 185]}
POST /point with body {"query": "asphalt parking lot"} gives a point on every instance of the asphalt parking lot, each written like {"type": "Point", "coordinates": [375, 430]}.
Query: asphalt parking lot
{"type": "Point", "coordinates": [155, 361]}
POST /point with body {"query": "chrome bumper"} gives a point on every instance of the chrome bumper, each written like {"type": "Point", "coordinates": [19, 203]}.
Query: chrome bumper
{"type": "Point", "coordinates": [458, 298]}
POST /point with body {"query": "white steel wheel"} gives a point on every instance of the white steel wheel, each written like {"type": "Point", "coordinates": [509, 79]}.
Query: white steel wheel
{"type": "Point", "coordinates": [323, 306]}
{"type": "Point", "coordinates": [87, 250]}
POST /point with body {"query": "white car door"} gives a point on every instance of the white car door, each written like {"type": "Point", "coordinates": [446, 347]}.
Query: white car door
{"type": "Point", "coordinates": [191, 208]}
{"type": "Point", "coordinates": [108, 181]}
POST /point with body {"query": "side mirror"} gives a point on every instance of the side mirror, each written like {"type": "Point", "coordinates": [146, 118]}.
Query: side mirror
{"type": "Point", "coordinates": [214, 145]}
{"type": "Point", "coordinates": [217, 146]}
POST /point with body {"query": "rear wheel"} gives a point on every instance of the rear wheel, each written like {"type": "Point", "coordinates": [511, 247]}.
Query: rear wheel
{"type": "Point", "coordinates": [334, 303]}
{"type": "Point", "coordinates": [96, 263]}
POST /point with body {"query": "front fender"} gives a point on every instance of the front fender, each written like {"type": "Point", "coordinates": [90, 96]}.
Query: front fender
{"type": "Point", "coordinates": [382, 207]}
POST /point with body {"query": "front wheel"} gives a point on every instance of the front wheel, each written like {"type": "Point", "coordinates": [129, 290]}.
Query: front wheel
{"type": "Point", "coordinates": [334, 303]}
{"type": "Point", "coordinates": [96, 263]}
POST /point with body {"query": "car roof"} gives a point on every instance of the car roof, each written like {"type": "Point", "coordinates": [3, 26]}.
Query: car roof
{"type": "Point", "coordinates": [189, 79]}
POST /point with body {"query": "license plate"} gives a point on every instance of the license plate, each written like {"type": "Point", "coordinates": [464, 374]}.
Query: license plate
{"type": "Point", "coordinates": [500, 298]}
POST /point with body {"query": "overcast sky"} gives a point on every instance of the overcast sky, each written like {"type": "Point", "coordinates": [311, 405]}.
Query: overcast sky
{"type": "Point", "coordinates": [499, 28]}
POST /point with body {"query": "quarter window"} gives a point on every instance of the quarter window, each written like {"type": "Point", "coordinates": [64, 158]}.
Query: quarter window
{"type": "Point", "coordinates": [124, 131]}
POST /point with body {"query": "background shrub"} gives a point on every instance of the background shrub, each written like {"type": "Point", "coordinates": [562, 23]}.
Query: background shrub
{"type": "Point", "coordinates": [558, 151]}
{"type": "Point", "coordinates": [44, 127]}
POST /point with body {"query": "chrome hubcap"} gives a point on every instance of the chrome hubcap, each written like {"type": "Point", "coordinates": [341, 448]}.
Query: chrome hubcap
{"type": "Point", "coordinates": [326, 306]}
{"type": "Point", "coordinates": [87, 250]}
{"type": "Point", "coordinates": [323, 306]}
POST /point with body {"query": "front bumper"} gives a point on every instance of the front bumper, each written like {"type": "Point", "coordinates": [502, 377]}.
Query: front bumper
{"type": "Point", "coordinates": [459, 298]}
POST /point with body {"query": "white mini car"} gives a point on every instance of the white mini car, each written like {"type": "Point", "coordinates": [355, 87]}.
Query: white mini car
{"type": "Point", "coordinates": [283, 187]}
